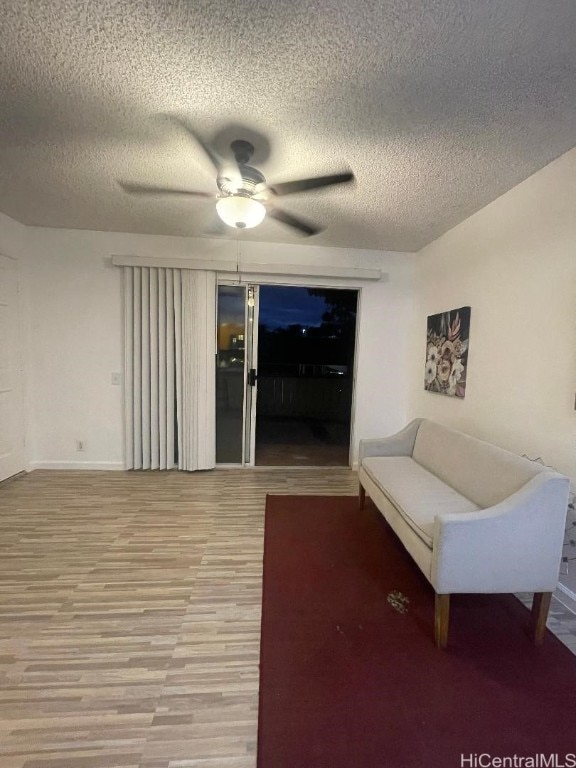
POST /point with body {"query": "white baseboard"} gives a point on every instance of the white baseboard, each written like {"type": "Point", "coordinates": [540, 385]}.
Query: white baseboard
{"type": "Point", "coordinates": [114, 466]}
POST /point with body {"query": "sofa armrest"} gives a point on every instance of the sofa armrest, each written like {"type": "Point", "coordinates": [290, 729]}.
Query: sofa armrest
{"type": "Point", "coordinates": [514, 546]}
{"type": "Point", "coordinates": [400, 444]}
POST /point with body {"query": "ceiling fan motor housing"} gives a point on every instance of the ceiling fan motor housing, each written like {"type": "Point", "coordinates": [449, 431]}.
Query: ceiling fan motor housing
{"type": "Point", "coordinates": [243, 151]}
{"type": "Point", "coordinates": [251, 178]}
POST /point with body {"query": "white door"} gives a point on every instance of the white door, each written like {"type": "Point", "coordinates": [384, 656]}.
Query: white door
{"type": "Point", "coordinates": [12, 452]}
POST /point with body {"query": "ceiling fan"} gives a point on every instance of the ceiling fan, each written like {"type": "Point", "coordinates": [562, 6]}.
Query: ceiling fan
{"type": "Point", "coordinates": [244, 196]}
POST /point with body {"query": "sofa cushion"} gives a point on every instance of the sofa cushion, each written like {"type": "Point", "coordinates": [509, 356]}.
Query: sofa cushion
{"type": "Point", "coordinates": [417, 494]}
{"type": "Point", "coordinates": [478, 470]}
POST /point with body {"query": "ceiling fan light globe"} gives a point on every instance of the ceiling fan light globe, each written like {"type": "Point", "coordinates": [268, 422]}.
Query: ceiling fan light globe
{"type": "Point", "coordinates": [240, 212]}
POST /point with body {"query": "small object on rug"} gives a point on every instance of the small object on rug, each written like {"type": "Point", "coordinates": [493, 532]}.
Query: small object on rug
{"type": "Point", "coordinates": [398, 601]}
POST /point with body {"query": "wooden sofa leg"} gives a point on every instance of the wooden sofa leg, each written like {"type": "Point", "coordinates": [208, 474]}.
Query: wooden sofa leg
{"type": "Point", "coordinates": [441, 620]}
{"type": "Point", "coordinates": [361, 496]}
{"type": "Point", "coordinates": [540, 607]}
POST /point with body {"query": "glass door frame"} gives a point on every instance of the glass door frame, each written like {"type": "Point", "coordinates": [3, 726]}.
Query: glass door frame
{"type": "Point", "coordinates": [250, 363]}
{"type": "Point", "coordinates": [251, 369]}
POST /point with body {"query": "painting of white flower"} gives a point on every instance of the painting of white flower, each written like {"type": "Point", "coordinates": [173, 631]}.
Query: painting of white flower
{"type": "Point", "coordinates": [447, 342]}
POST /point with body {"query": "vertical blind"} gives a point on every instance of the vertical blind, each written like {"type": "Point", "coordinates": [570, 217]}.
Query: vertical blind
{"type": "Point", "coordinates": [170, 347]}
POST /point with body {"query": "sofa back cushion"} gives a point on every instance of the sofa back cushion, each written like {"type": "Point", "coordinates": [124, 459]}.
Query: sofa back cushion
{"type": "Point", "coordinates": [482, 472]}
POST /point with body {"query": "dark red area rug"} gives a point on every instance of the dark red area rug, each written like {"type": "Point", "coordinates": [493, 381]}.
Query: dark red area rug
{"type": "Point", "coordinates": [347, 681]}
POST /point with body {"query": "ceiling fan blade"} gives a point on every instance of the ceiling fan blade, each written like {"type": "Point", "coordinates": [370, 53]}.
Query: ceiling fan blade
{"type": "Point", "coordinates": [208, 151]}
{"type": "Point", "coordinates": [141, 189]}
{"type": "Point", "coordinates": [302, 226]}
{"type": "Point", "coordinates": [302, 185]}
{"type": "Point", "coordinates": [225, 168]}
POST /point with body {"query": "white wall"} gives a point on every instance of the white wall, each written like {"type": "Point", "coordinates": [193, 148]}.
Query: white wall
{"type": "Point", "coordinates": [77, 330]}
{"type": "Point", "coordinates": [13, 243]}
{"type": "Point", "coordinates": [76, 343]}
{"type": "Point", "coordinates": [514, 263]}
{"type": "Point", "coordinates": [12, 237]}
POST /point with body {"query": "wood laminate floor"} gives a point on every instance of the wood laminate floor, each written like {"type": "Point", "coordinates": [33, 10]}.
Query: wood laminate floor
{"type": "Point", "coordinates": [130, 615]}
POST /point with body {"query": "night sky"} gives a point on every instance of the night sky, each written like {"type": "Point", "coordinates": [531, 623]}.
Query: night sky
{"type": "Point", "coordinates": [282, 305]}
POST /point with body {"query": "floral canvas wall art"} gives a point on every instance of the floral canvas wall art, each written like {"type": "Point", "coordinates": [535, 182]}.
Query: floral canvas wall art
{"type": "Point", "coordinates": [447, 341]}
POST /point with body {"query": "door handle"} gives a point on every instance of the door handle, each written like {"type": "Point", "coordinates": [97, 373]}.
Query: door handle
{"type": "Point", "coordinates": [252, 376]}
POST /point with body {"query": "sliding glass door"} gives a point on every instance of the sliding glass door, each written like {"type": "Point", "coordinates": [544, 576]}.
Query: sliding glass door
{"type": "Point", "coordinates": [306, 343]}
{"type": "Point", "coordinates": [284, 375]}
{"type": "Point", "coordinates": [236, 347]}
{"type": "Point", "coordinates": [230, 374]}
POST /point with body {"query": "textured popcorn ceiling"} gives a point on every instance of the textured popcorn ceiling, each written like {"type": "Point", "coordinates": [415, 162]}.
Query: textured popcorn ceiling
{"type": "Point", "coordinates": [438, 106]}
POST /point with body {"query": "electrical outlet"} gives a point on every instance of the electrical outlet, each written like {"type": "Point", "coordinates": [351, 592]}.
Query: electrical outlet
{"type": "Point", "coordinates": [116, 379]}
{"type": "Point", "coordinates": [80, 445]}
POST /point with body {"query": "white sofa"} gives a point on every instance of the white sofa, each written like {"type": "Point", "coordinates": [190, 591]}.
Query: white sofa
{"type": "Point", "coordinates": [474, 517]}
